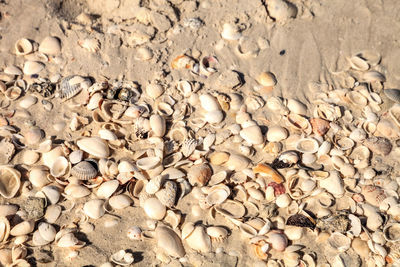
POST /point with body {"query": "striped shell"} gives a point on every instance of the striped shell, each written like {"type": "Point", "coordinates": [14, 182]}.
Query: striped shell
{"type": "Point", "coordinates": [72, 85]}
{"type": "Point", "coordinates": [84, 170]}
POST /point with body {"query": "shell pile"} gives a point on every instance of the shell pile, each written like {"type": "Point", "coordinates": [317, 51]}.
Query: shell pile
{"type": "Point", "coordinates": [203, 165]}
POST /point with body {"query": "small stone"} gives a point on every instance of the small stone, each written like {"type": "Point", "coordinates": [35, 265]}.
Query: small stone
{"type": "Point", "coordinates": [34, 208]}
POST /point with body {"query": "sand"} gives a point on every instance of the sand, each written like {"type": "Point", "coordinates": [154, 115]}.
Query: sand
{"type": "Point", "coordinates": [310, 48]}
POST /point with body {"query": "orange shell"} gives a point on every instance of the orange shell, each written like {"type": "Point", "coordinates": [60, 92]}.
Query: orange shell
{"type": "Point", "coordinates": [258, 251]}
{"type": "Point", "coordinates": [319, 126]}
{"type": "Point", "coordinates": [182, 62]}
{"type": "Point", "coordinates": [268, 171]}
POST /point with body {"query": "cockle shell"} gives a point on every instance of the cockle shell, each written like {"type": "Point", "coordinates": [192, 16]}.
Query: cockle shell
{"type": "Point", "coordinates": [167, 195]}
{"type": "Point", "coordinates": [252, 135]}
{"type": "Point", "coordinates": [50, 46]}
{"type": "Point", "coordinates": [276, 134]}
{"type": "Point", "coordinates": [90, 44]}
{"type": "Point", "coordinates": [199, 240]}
{"type": "Point", "coordinates": [154, 209]}
{"type": "Point", "coordinates": [199, 174]}
{"type": "Point", "coordinates": [84, 170]}
{"type": "Point", "coordinates": [10, 181]}
{"type": "Point", "coordinates": [23, 47]}
{"type": "Point", "coordinates": [169, 241]}
{"type": "Point", "coordinates": [94, 208]}
{"type": "Point", "coordinates": [373, 194]}
{"type": "Point", "coordinates": [73, 85]}
{"type": "Point", "coordinates": [33, 67]}
{"type": "Point", "coordinates": [95, 146]}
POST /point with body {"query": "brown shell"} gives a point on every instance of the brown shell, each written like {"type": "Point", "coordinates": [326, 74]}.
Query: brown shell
{"type": "Point", "coordinates": [199, 174]}
{"type": "Point", "coordinates": [319, 126]}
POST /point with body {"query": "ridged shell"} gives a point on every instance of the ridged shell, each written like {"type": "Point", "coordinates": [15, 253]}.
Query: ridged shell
{"type": "Point", "coordinates": [94, 146]}
{"type": "Point", "coordinates": [154, 184]}
{"type": "Point", "coordinates": [72, 85]}
{"type": "Point", "coordinates": [167, 195]}
{"type": "Point", "coordinates": [84, 170]}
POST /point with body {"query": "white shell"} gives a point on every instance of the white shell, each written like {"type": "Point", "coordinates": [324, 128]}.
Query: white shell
{"type": "Point", "coordinates": [252, 135]}
{"type": "Point", "coordinates": [38, 176]}
{"type": "Point", "coordinates": [12, 70]}
{"type": "Point", "coordinates": [53, 212]}
{"type": "Point", "coordinates": [339, 241]}
{"type": "Point", "coordinates": [154, 90]}
{"type": "Point", "coordinates": [94, 208]}
{"type": "Point", "coordinates": [28, 101]}
{"type": "Point", "coordinates": [33, 67]}
{"type": "Point", "coordinates": [230, 32]}
{"type": "Point", "coordinates": [157, 124]}
{"type": "Point", "coordinates": [47, 231]}
{"type": "Point", "coordinates": [199, 240]}
{"type": "Point", "coordinates": [120, 201]}
{"type": "Point", "coordinates": [94, 146]}
{"type": "Point", "coordinates": [333, 184]}
{"type": "Point", "coordinates": [107, 188]}
{"type": "Point", "coordinates": [76, 156]}
{"type": "Point", "coordinates": [50, 46]}
{"type": "Point", "coordinates": [154, 209]}
{"type": "Point", "coordinates": [122, 258]}
{"type": "Point", "coordinates": [23, 47]}
{"type": "Point", "coordinates": [59, 167]}
{"type": "Point", "coordinates": [209, 103]}
{"type": "Point", "coordinates": [90, 44]}
{"type": "Point", "coordinates": [52, 194]}
{"type": "Point", "coordinates": [148, 163]}
{"type": "Point", "coordinates": [296, 107]}
{"type": "Point", "coordinates": [276, 134]}
{"type": "Point", "coordinates": [23, 228]}
{"type": "Point", "coordinates": [283, 200]}
{"type": "Point", "coordinates": [307, 145]}
{"type": "Point", "coordinates": [107, 135]}
{"type": "Point", "coordinates": [214, 117]}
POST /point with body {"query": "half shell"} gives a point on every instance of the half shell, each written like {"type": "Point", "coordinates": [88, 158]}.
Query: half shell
{"type": "Point", "coordinates": [10, 181]}
{"type": "Point", "coordinates": [94, 146]}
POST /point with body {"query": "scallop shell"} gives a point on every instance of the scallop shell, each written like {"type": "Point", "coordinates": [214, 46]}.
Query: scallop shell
{"type": "Point", "coordinates": [73, 85]}
{"type": "Point", "coordinates": [252, 135]}
{"type": "Point", "coordinates": [169, 241]}
{"type": "Point", "coordinates": [94, 208]}
{"type": "Point", "coordinates": [10, 181]}
{"type": "Point", "coordinates": [167, 195]}
{"type": "Point", "coordinates": [90, 44]}
{"type": "Point", "coordinates": [94, 146]}
{"type": "Point", "coordinates": [307, 145]}
{"type": "Point", "coordinates": [230, 32]}
{"type": "Point", "coordinates": [199, 174]}
{"type": "Point", "coordinates": [50, 46]}
{"type": "Point", "coordinates": [84, 170]}
{"type": "Point", "coordinates": [23, 47]}
{"type": "Point", "coordinates": [33, 67]}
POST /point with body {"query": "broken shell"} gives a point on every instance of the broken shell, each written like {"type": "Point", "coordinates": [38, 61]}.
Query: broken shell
{"type": "Point", "coordinates": [356, 98]}
{"type": "Point", "coordinates": [169, 241]}
{"type": "Point", "coordinates": [72, 85]}
{"type": "Point", "coordinates": [107, 135]}
{"type": "Point", "coordinates": [90, 44]}
{"type": "Point", "coordinates": [231, 209]}
{"type": "Point", "coordinates": [148, 163]}
{"type": "Point", "coordinates": [10, 181]}
{"type": "Point", "coordinates": [391, 232]}
{"type": "Point", "coordinates": [49, 157]}
{"type": "Point", "coordinates": [230, 32]}
{"type": "Point", "coordinates": [167, 195]}
{"type": "Point", "coordinates": [217, 233]}
{"type": "Point", "coordinates": [23, 47]}
{"type": "Point", "coordinates": [94, 208]}
{"type": "Point", "coordinates": [333, 184]}
{"type": "Point", "coordinates": [122, 258]}
{"type": "Point", "coordinates": [373, 194]}
{"type": "Point", "coordinates": [144, 54]}
{"type": "Point", "coordinates": [199, 240]}
{"type": "Point", "coordinates": [84, 170]}
{"type": "Point", "coordinates": [95, 146]}
{"type": "Point", "coordinates": [307, 145]}
{"type": "Point", "coordinates": [50, 46]}
{"type": "Point", "coordinates": [33, 67]}
{"type": "Point", "coordinates": [13, 93]}
{"type": "Point", "coordinates": [38, 176]}
{"type": "Point", "coordinates": [4, 229]}
{"type": "Point", "coordinates": [154, 209]}
{"type": "Point", "coordinates": [267, 171]}
{"type": "Point", "coordinates": [393, 94]}
{"type": "Point", "coordinates": [107, 188]}
{"type": "Point", "coordinates": [23, 228]}
{"type": "Point", "coordinates": [379, 145]}
{"type": "Point", "coordinates": [276, 134]}
{"type": "Point", "coordinates": [299, 122]}
{"type": "Point", "coordinates": [319, 126]}
{"type": "Point", "coordinates": [252, 135]}
{"type": "Point", "coordinates": [199, 174]}
{"type": "Point", "coordinates": [59, 167]}
{"type": "Point", "coordinates": [339, 241]}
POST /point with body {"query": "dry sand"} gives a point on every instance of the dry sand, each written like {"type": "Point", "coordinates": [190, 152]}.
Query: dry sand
{"type": "Point", "coordinates": [310, 48]}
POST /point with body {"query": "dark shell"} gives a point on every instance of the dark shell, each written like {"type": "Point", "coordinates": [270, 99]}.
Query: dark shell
{"type": "Point", "coordinates": [301, 220]}
{"type": "Point", "coordinates": [379, 145]}
{"type": "Point", "coordinates": [393, 94]}
{"type": "Point", "coordinates": [71, 86]}
{"type": "Point", "coordinates": [84, 170]}
{"type": "Point", "coordinates": [283, 162]}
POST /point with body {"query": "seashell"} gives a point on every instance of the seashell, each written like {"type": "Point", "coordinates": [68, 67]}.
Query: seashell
{"type": "Point", "coordinates": [237, 162]}
{"type": "Point", "coordinates": [75, 156]}
{"type": "Point", "coordinates": [47, 231]}
{"type": "Point", "coordinates": [76, 191]}
{"type": "Point", "coordinates": [167, 195]}
{"type": "Point", "coordinates": [214, 117]}
{"type": "Point", "coordinates": [120, 201]}
{"type": "Point", "coordinates": [267, 79]}
{"type": "Point", "coordinates": [373, 194]}
{"type": "Point", "coordinates": [296, 107]}
{"type": "Point", "coordinates": [333, 184]}
{"type": "Point", "coordinates": [144, 54]}
{"type": "Point", "coordinates": [267, 171]}
{"type": "Point", "coordinates": [344, 143]}
{"type": "Point", "coordinates": [69, 241]}
{"type": "Point", "coordinates": [154, 209]}
{"type": "Point", "coordinates": [356, 227]}
{"type": "Point", "coordinates": [49, 157]}
{"type": "Point", "coordinates": [281, 10]}
{"type": "Point", "coordinates": [94, 208]}
{"type": "Point", "coordinates": [358, 63]}
{"type": "Point", "coordinates": [199, 240]}
{"type": "Point", "coordinates": [28, 101]}
{"type": "Point", "coordinates": [339, 241]}
{"type": "Point", "coordinates": [10, 181]}
{"type": "Point", "coordinates": [33, 136]}
{"type": "Point", "coordinates": [217, 195]}
{"type": "Point", "coordinates": [23, 47]}
{"type": "Point", "coordinates": [8, 150]}
{"type": "Point", "coordinates": [29, 157]}
{"type": "Point", "coordinates": [169, 242]}
{"type": "Point", "coordinates": [184, 87]}
{"type": "Point", "coordinates": [307, 145]}
{"type": "Point", "coordinates": [95, 146]}
{"type": "Point", "coordinates": [134, 233]}
{"type": "Point", "coordinates": [294, 232]}
{"type": "Point", "coordinates": [199, 174]}
{"type": "Point", "coordinates": [283, 200]}
{"type": "Point", "coordinates": [107, 135]}
{"type": "Point", "coordinates": [218, 177]}
{"type": "Point", "coordinates": [217, 233]}
{"type": "Point", "coordinates": [84, 170]}
{"type": "Point", "coordinates": [231, 209]}
{"type": "Point", "coordinates": [23, 228]}
{"type": "Point", "coordinates": [107, 188]}
{"type": "Point", "coordinates": [53, 212]}
{"type": "Point", "coordinates": [13, 93]}
{"type": "Point", "coordinates": [391, 232]}
{"type": "Point", "coordinates": [276, 134]}
{"type": "Point", "coordinates": [7, 210]}
{"type": "Point", "coordinates": [154, 90]}
{"type": "Point", "coordinates": [358, 135]}
{"type": "Point", "coordinates": [52, 194]}
{"type": "Point", "coordinates": [50, 46]}
{"type": "Point", "coordinates": [38, 176]}
{"type": "Point", "coordinates": [278, 241]}
{"type": "Point", "coordinates": [148, 163]}
{"type": "Point", "coordinates": [218, 157]}
{"type": "Point", "coordinates": [373, 76]}
{"type": "Point", "coordinates": [209, 103]}
{"type": "Point", "coordinates": [182, 62]}
{"type": "Point", "coordinates": [252, 135]}
{"type": "Point", "coordinates": [299, 122]}
{"type": "Point", "coordinates": [393, 94]}
{"type": "Point", "coordinates": [90, 44]}
{"type": "Point", "coordinates": [356, 98]}
{"type": "Point", "coordinates": [12, 70]}
{"type": "Point", "coordinates": [255, 194]}
{"type": "Point", "coordinates": [4, 230]}
{"type": "Point", "coordinates": [319, 126]}
{"type": "Point", "coordinates": [59, 167]}
{"type": "Point", "coordinates": [378, 145]}
{"type": "Point", "coordinates": [254, 103]}
{"type": "Point", "coordinates": [157, 124]}
{"type": "Point", "coordinates": [33, 67]}
{"type": "Point", "coordinates": [122, 258]}
{"type": "Point", "coordinates": [230, 32]}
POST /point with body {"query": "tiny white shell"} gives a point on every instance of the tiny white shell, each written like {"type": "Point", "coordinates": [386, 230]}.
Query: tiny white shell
{"type": "Point", "coordinates": [252, 135]}
{"type": "Point", "coordinates": [276, 134]}
{"type": "Point", "coordinates": [33, 67]}
{"type": "Point", "coordinates": [94, 208]}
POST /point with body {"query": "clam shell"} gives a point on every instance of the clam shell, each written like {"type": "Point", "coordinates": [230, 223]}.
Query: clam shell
{"type": "Point", "coordinates": [154, 90]}
{"type": "Point", "coordinates": [199, 174]}
{"type": "Point", "coordinates": [339, 241]}
{"type": "Point", "coordinates": [122, 258]}
{"type": "Point", "coordinates": [167, 195]}
{"type": "Point", "coordinates": [148, 163]}
{"type": "Point", "coordinates": [230, 32]}
{"type": "Point", "coordinates": [28, 101]}
{"type": "Point", "coordinates": [107, 135]}
{"type": "Point", "coordinates": [94, 208]}
{"type": "Point", "coordinates": [4, 229]}
{"type": "Point", "coordinates": [23, 47]}
{"type": "Point", "coordinates": [391, 232]}
{"type": "Point", "coordinates": [209, 103]}
{"type": "Point", "coordinates": [23, 228]}
{"type": "Point", "coordinates": [33, 67]}
{"type": "Point", "coordinates": [95, 146]}
{"type": "Point", "coordinates": [13, 92]}
{"type": "Point", "coordinates": [50, 46]}
{"type": "Point", "coordinates": [53, 212]}
{"type": "Point", "coordinates": [49, 157]}
{"type": "Point", "coordinates": [199, 240]}
{"type": "Point", "coordinates": [344, 143]}
{"type": "Point", "coordinates": [307, 145]}
{"type": "Point", "coordinates": [33, 135]}
{"type": "Point", "coordinates": [107, 188]}
{"type": "Point", "coordinates": [59, 167]}
{"type": "Point", "coordinates": [72, 85]}
{"type": "Point", "coordinates": [47, 231]}
{"type": "Point", "coordinates": [38, 176]}
{"type": "Point", "coordinates": [296, 107]}
{"type": "Point", "coordinates": [276, 134]}
{"type": "Point", "coordinates": [169, 241]}
{"type": "Point", "coordinates": [252, 135]}
{"type": "Point", "coordinates": [214, 117]}
{"type": "Point", "coordinates": [237, 162]}
{"type": "Point", "coordinates": [157, 124]}
{"type": "Point", "coordinates": [319, 126]}
{"type": "Point", "coordinates": [10, 181]}
{"type": "Point", "coordinates": [358, 63]}
{"type": "Point", "coordinates": [278, 241]}
{"type": "Point", "coordinates": [154, 209]}
{"type": "Point", "coordinates": [217, 196]}
{"type": "Point", "coordinates": [84, 170]}
{"type": "Point", "coordinates": [76, 191]}
{"type": "Point", "coordinates": [120, 201]}
{"type": "Point", "coordinates": [231, 209]}
{"type": "Point", "coordinates": [267, 79]}
{"type": "Point", "coordinates": [75, 156]}
{"type": "Point", "coordinates": [154, 184]}
{"type": "Point", "coordinates": [52, 193]}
